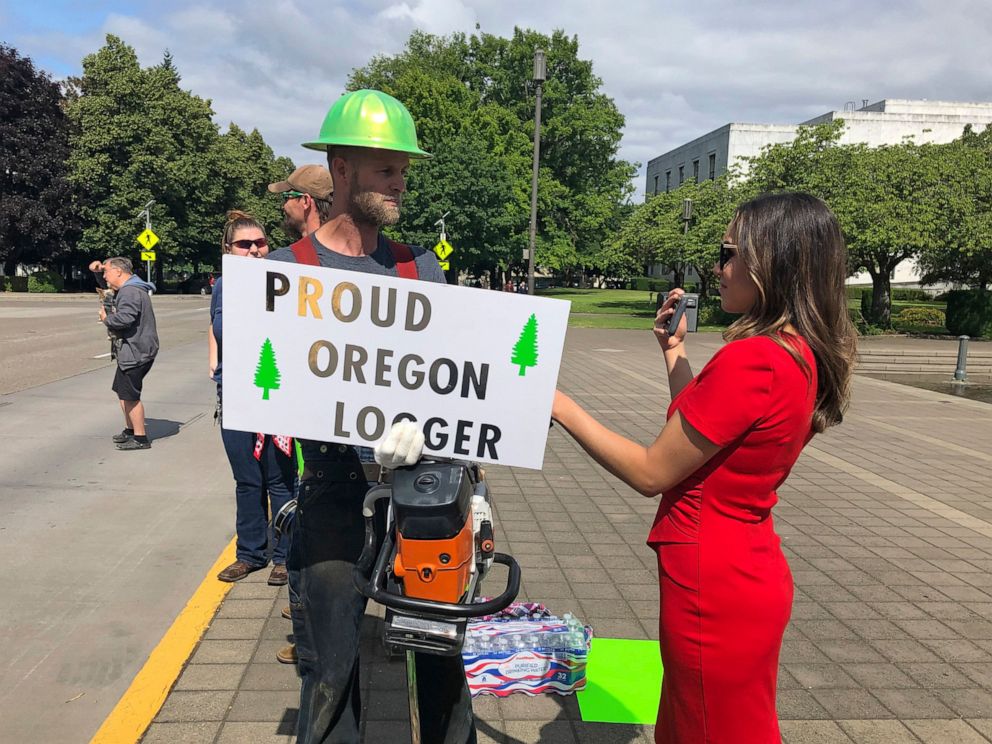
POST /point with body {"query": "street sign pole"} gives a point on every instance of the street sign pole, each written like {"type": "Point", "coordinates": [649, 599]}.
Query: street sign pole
{"type": "Point", "coordinates": [443, 248]}
{"type": "Point", "coordinates": [148, 226]}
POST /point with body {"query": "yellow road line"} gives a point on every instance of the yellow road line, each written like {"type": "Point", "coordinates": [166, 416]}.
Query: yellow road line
{"type": "Point", "coordinates": [135, 710]}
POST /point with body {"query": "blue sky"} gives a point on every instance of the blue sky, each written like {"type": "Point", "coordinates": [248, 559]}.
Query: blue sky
{"type": "Point", "coordinates": [675, 69]}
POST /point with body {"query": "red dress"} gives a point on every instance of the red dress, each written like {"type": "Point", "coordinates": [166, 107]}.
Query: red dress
{"type": "Point", "coordinates": [726, 589]}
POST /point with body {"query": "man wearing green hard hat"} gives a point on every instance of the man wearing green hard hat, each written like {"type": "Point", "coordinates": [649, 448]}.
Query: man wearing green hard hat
{"type": "Point", "coordinates": [370, 139]}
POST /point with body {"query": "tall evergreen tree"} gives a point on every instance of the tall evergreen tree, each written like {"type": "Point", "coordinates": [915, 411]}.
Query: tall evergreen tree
{"type": "Point", "coordinates": [37, 214]}
{"type": "Point", "coordinates": [140, 137]}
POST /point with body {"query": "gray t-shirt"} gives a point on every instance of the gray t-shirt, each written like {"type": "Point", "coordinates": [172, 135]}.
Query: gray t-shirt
{"type": "Point", "coordinates": [380, 262]}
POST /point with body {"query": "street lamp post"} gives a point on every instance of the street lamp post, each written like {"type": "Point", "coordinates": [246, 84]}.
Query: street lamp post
{"type": "Point", "coordinates": [540, 75]}
{"type": "Point", "coordinates": [686, 219]}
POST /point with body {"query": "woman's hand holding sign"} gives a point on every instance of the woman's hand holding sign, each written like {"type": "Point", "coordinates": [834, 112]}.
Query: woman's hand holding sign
{"type": "Point", "coordinates": [402, 447]}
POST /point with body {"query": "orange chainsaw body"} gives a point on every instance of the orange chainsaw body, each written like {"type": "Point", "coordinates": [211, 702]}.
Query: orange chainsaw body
{"type": "Point", "coordinates": [438, 570]}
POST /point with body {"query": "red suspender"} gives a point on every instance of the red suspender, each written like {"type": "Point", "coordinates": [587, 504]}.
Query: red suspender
{"type": "Point", "coordinates": [305, 251]}
{"type": "Point", "coordinates": [406, 266]}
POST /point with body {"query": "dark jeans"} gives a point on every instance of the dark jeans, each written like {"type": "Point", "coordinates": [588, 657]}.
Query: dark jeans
{"type": "Point", "coordinates": [328, 535]}
{"type": "Point", "coordinates": [259, 484]}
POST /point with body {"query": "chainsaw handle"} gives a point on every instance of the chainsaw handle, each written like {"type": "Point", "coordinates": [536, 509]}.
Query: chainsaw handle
{"type": "Point", "coordinates": [371, 586]}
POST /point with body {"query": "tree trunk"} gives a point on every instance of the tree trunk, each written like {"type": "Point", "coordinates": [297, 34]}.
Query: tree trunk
{"type": "Point", "coordinates": [704, 283]}
{"type": "Point", "coordinates": [881, 298]}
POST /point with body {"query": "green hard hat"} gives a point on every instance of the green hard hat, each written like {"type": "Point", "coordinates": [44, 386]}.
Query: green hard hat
{"type": "Point", "coordinates": [369, 118]}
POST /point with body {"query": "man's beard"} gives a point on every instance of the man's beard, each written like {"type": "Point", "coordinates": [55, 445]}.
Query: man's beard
{"type": "Point", "coordinates": [371, 208]}
{"type": "Point", "coordinates": [292, 228]}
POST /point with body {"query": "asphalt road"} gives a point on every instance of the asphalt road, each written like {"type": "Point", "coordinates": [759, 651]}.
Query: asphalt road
{"type": "Point", "coordinates": [101, 548]}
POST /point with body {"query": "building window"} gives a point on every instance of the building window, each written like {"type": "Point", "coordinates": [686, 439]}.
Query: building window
{"type": "Point", "coordinates": [712, 166]}
{"type": "Point", "coordinates": [695, 171]}
{"type": "Point", "coordinates": [656, 185]}
{"type": "Point", "coordinates": [668, 181]}
{"type": "Point", "coordinates": [681, 174]}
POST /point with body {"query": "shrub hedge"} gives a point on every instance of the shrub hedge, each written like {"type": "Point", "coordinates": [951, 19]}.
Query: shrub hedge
{"type": "Point", "coordinates": [46, 282]}
{"type": "Point", "coordinates": [969, 312]}
{"type": "Point", "coordinates": [14, 283]}
{"type": "Point", "coordinates": [928, 316]}
{"type": "Point", "coordinates": [650, 284]}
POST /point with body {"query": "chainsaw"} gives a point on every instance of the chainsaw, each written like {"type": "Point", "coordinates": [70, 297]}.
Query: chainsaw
{"type": "Point", "coordinates": [438, 546]}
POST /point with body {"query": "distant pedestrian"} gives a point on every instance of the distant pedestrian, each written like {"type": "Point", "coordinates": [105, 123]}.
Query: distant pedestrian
{"type": "Point", "coordinates": [132, 321]}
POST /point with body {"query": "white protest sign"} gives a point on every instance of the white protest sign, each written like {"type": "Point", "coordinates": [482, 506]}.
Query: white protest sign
{"type": "Point", "coordinates": [339, 356]}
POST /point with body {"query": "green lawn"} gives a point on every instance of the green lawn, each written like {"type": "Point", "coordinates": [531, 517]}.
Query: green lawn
{"type": "Point", "coordinates": [630, 302]}
{"type": "Point", "coordinates": [635, 309]}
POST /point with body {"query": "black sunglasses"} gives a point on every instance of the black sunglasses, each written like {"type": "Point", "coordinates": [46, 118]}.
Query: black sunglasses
{"type": "Point", "coordinates": [727, 252]}
{"type": "Point", "coordinates": [287, 195]}
{"type": "Point", "coordinates": [245, 245]}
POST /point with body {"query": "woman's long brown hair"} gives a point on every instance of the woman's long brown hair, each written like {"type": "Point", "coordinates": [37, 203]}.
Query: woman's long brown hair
{"type": "Point", "coordinates": [794, 251]}
{"type": "Point", "coordinates": [236, 219]}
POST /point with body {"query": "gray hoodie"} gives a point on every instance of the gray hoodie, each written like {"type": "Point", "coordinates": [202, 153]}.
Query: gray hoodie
{"type": "Point", "coordinates": [134, 324]}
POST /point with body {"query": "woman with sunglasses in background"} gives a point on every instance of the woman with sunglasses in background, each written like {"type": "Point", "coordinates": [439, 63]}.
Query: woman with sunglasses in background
{"type": "Point", "coordinates": [732, 435]}
{"type": "Point", "coordinates": [264, 471]}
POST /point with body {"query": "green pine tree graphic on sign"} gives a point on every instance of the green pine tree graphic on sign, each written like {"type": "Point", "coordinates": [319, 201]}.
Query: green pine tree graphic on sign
{"type": "Point", "coordinates": [525, 350]}
{"type": "Point", "coordinates": [267, 372]}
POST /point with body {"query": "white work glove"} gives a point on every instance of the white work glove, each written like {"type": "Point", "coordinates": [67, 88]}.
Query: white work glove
{"type": "Point", "coordinates": [401, 447]}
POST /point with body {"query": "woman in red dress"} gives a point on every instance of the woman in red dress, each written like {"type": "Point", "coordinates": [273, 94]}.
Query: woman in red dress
{"type": "Point", "coordinates": [732, 435]}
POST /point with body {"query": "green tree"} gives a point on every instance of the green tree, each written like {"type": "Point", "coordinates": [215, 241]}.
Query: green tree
{"type": "Point", "coordinates": [889, 200]}
{"type": "Point", "coordinates": [474, 95]}
{"type": "Point", "coordinates": [267, 375]}
{"type": "Point", "coordinates": [246, 166]}
{"type": "Point", "coordinates": [656, 232]}
{"type": "Point", "coordinates": [37, 214]}
{"type": "Point", "coordinates": [467, 181]}
{"type": "Point", "coordinates": [139, 136]}
{"type": "Point", "coordinates": [525, 350]}
{"type": "Point", "coordinates": [964, 255]}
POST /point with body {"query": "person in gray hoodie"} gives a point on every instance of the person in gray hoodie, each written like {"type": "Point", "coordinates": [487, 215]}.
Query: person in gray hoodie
{"type": "Point", "coordinates": [133, 324]}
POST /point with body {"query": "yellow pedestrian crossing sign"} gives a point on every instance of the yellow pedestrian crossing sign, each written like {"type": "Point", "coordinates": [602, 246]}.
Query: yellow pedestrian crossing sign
{"type": "Point", "coordinates": [445, 266]}
{"type": "Point", "coordinates": [148, 255]}
{"type": "Point", "coordinates": [443, 249]}
{"type": "Point", "coordinates": [148, 239]}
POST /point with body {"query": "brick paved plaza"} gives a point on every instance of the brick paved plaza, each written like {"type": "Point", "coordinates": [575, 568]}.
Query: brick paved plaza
{"type": "Point", "coordinates": [886, 521]}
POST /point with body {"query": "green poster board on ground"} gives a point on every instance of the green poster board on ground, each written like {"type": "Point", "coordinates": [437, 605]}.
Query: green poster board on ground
{"type": "Point", "coordinates": [623, 682]}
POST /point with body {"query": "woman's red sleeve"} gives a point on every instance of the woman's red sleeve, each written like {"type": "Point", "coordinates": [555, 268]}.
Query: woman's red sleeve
{"type": "Point", "coordinates": [730, 394]}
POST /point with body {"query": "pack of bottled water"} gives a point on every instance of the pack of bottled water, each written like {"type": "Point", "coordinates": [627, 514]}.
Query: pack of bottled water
{"type": "Point", "coordinates": [534, 654]}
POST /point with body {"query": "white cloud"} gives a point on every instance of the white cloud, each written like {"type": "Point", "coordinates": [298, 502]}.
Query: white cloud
{"type": "Point", "coordinates": [676, 71]}
{"type": "Point", "coordinates": [433, 16]}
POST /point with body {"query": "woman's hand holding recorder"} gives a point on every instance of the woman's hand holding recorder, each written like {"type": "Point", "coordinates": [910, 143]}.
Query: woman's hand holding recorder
{"type": "Point", "coordinates": [670, 324]}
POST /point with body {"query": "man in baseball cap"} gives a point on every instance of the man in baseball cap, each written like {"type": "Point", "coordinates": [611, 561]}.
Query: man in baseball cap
{"type": "Point", "coordinates": [306, 199]}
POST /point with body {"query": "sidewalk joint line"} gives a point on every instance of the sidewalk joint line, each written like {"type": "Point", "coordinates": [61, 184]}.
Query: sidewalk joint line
{"type": "Point", "coordinates": [923, 501]}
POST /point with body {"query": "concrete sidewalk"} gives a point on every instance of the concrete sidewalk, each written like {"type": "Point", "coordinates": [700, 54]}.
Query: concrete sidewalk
{"type": "Point", "coordinates": [886, 521]}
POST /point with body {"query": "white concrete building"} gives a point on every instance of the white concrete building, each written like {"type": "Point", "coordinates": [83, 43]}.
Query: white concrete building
{"type": "Point", "coordinates": [887, 122]}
